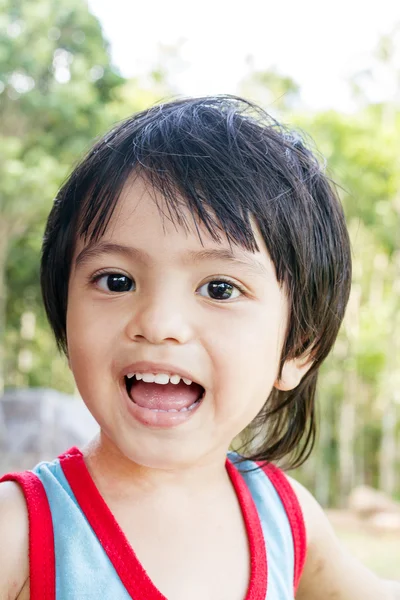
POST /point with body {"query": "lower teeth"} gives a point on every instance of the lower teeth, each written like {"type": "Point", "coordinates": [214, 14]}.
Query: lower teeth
{"type": "Point", "coordinates": [174, 410]}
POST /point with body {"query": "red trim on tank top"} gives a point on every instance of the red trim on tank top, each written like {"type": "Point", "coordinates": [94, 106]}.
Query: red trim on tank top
{"type": "Point", "coordinates": [42, 563]}
{"type": "Point", "coordinates": [128, 567]}
{"type": "Point", "coordinates": [294, 514]}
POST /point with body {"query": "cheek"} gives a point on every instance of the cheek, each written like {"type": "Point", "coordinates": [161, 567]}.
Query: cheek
{"type": "Point", "coordinates": [90, 335]}
{"type": "Point", "coordinates": [253, 340]}
{"type": "Point", "coordinates": [246, 361]}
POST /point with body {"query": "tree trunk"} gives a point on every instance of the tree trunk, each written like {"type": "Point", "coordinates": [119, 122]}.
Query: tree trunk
{"type": "Point", "coordinates": [347, 428]}
{"type": "Point", "coordinates": [323, 466]}
{"type": "Point", "coordinates": [388, 477]}
{"type": "Point", "coordinates": [347, 416]}
{"type": "Point", "coordinates": [4, 239]}
{"type": "Point", "coordinates": [388, 454]}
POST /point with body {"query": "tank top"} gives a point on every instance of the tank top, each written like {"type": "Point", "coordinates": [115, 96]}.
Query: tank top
{"type": "Point", "coordinates": [77, 550]}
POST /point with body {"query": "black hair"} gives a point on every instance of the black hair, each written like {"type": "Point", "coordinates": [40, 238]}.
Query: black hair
{"type": "Point", "coordinates": [229, 161]}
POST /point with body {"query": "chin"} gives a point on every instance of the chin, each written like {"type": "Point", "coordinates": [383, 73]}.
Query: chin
{"type": "Point", "coordinates": [159, 454]}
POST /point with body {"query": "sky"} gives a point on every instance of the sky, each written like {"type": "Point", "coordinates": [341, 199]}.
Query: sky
{"type": "Point", "coordinates": [319, 44]}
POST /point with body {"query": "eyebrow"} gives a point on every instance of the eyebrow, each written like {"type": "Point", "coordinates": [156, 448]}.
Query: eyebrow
{"type": "Point", "coordinates": [223, 254]}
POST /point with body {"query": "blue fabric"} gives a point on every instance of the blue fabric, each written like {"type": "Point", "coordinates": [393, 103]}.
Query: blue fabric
{"type": "Point", "coordinates": [276, 530]}
{"type": "Point", "coordinates": [84, 571]}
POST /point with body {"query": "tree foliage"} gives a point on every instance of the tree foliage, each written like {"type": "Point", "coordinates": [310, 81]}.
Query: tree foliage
{"type": "Point", "coordinates": [55, 80]}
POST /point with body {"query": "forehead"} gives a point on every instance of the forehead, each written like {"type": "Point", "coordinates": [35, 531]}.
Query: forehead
{"type": "Point", "coordinates": [140, 206]}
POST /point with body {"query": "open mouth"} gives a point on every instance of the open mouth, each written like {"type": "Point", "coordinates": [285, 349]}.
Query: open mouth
{"type": "Point", "coordinates": [163, 393]}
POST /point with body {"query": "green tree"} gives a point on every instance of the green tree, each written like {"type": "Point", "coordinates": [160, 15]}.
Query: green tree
{"type": "Point", "coordinates": [276, 92]}
{"type": "Point", "coordinates": [358, 393]}
{"type": "Point", "coordinates": [55, 82]}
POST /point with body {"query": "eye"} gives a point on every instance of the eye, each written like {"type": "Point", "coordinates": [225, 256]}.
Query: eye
{"type": "Point", "coordinates": [220, 289]}
{"type": "Point", "coordinates": [114, 282]}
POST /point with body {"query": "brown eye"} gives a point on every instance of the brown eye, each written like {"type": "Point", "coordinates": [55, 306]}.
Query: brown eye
{"type": "Point", "coordinates": [220, 290]}
{"type": "Point", "coordinates": [115, 282]}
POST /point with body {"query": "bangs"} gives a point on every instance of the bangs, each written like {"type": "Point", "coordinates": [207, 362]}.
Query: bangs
{"type": "Point", "coordinates": [216, 209]}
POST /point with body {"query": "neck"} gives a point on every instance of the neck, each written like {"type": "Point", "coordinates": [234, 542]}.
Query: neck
{"type": "Point", "coordinates": [116, 474]}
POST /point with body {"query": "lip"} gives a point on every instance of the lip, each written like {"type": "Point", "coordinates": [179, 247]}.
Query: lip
{"type": "Point", "coordinates": [168, 369]}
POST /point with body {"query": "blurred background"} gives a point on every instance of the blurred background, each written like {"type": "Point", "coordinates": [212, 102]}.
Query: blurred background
{"type": "Point", "coordinates": [70, 69]}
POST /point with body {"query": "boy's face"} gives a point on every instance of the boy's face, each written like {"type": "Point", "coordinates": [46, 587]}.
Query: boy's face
{"type": "Point", "coordinates": [161, 307]}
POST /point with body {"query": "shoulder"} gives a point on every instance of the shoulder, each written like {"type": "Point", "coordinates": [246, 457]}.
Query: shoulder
{"type": "Point", "coordinates": [14, 536]}
{"type": "Point", "coordinates": [328, 565]}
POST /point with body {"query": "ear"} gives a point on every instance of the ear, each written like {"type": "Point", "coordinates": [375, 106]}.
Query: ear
{"type": "Point", "coordinates": [292, 373]}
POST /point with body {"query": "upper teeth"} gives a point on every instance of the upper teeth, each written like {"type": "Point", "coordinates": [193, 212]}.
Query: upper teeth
{"type": "Point", "coordinates": [162, 378]}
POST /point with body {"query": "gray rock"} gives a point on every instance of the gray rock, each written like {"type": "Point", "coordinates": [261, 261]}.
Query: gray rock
{"type": "Point", "coordinates": [366, 502]}
{"type": "Point", "coordinates": [386, 521]}
{"type": "Point", "coordinates": [39, 424]}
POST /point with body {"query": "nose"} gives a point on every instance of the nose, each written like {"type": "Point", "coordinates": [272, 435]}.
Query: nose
{"type": "Point", "coordinates": [159, 318]}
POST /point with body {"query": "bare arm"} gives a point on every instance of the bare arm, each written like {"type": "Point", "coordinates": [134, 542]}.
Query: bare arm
{"type": "Point", "coordinates": [330, 572]}
{"type": "Point", "coordinates": [14, 536]}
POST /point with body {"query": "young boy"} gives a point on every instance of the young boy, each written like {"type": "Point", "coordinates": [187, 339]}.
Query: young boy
{"type": "Point", "coordinates": [195, 270]}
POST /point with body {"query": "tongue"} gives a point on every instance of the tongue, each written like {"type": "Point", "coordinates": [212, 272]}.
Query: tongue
{"type": "Point", "coordinates": [165, 397]}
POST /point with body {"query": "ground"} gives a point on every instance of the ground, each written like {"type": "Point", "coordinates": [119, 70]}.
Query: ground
{"type": "Point", "coordinates": [380, 551]}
